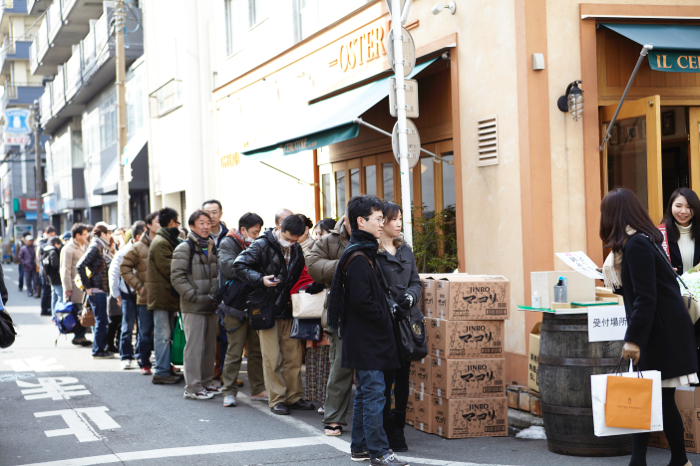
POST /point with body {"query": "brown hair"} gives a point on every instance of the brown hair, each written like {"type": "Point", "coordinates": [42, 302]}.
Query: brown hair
{"type": "Point", "coordinates": [694, 204]}
{"type": "Point", "coordinates": [99, 230]}
{"type": "Point", "coordinates": [391, 211]}
{"type": "Point", "coordinates": [619, 209]}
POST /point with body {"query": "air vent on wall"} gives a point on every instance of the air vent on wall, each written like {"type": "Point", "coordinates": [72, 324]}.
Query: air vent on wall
{"type": "Point", "coordinates": [488, 141]}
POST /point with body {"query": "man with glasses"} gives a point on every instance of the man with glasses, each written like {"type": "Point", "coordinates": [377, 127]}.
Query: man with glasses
{"type": "Point", "coordinates": [364, 324]}
{"type": "Point", "coordinates": [163, 300]}
{"type": "Point", "coordinates": [218, 228]}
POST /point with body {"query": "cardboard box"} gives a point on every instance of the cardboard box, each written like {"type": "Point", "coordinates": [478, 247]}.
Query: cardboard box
{"type": "Point", "coordinates": [422, 404]}
{"type": "Point", "coordinates": [465, 339]}
{"type": "Point", "coordinates": [533, 364]}
{"type": "Point", "coordinates": [579, 287]}
{"type": "Point", "coordinates": [688, 402]}
{"type": "Point", "coordinates": [468, 378]}
{"type": "Point", "coordinates": [470, 417]}
{"type": "Point", "coordinates": [473, 297]}
{"type": "Point", "coordinates": [429, 296]}
{"type": "Point", "coordinates": [419, 378]}
{"type": "Point", "coordinates": [410, 409]}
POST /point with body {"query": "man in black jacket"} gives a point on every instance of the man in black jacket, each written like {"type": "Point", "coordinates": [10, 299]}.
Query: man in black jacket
{"type": "Point", "coordinates": [271, 266]}
{"type": "Point", "coordinates": [50, 261]}
{"type": "Point", "coordinates": [366, 329]}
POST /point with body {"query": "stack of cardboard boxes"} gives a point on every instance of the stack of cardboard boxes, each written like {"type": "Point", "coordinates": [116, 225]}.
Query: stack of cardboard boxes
{"type": "Point", "coordinates": [688, 402]}
{"type": "Point", "coordinates": [458, 390]}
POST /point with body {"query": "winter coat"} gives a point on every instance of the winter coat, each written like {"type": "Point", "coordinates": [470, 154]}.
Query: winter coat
{"type": "Point", "coordinates": [264, 257]}
{"type": "Point", "coordinates": [3, 289]}
{"type": "Point", "coordinates": [161, 294]}
{"type": "Point", "coordinates": [401, 272]}
{"type": "Point", "coordinates": [70, 255]}
{"type": "Point", "coordinates": [223, 231]}
{"type": "Point", "coordinates": [93, 260]}
{"type": "Point", "coordinates": [53, 270]}
{"type": "Point", "coordinates": [27, 257]}
{"type": "Point", "coordinates": [657, 319]}
{"type": "Point", "coordinates": [197, 286]}
{"type": "Point", "coordinates": [134, 268]}
{"type": "Point", "coordinates": [228, 251]}
{"type": "Point", "coordinates": [675, 253]}
{"type": "Point", "coordinates": [39, 249]}
{"type": "Point", "coordinates": [322, 260]}
{"type": "Point", "coordinates": [368, 335]}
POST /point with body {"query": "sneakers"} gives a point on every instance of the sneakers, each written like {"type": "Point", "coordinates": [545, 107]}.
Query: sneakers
{"type": "Point", "coordinates": [359, 455]}
{"type": "Point", "coordinates": [213, 390]}
{"type": "Point", "coordinates": [167, 380]}
{"type": "Point", "coordinates": [262, 396]}
{"type": "Point", "coordinates": [280, 408]}
{"type": "Point", "coordinates": [230, 401]}
{"type": "Point", "coordinates": [103, 355]}
{"type": "Point", "coordinates": [146, 371]}
{"type": "Point", "coordinates": [389, 459]}
{"type": "Point", "coordinates": [302, 404]}
{"type": "Point", "coordinates": [81, 342]}
{"type": "Point", "coordinates": [126, 364]}
{"type": "Point", "coordinates": [203, 395]}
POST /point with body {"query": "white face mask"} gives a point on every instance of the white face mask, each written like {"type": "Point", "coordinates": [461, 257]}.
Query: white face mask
{"type": "Point", "coordinates": [284, 243]}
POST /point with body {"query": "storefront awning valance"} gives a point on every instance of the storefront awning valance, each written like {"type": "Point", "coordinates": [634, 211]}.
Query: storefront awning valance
{"type": "Point", "coordinates": [676, 47]}
{"type": "Point", "coordinates": [328, 121]}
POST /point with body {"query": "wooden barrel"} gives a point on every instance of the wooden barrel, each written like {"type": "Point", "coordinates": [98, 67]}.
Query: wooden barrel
{"type": "Point", "coordinates": [567, 361]}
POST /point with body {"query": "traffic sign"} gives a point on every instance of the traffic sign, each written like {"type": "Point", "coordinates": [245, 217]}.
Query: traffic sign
{"type": "Point", "coordinates": [411, 88]}
{"type": "Point", "coordinates": [409, 51]}
{"type": "Point", "coordinates": [413, 143]}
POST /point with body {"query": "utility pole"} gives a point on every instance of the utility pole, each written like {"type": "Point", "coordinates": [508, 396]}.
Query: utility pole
{"type": "Point", "coordinates": [37, 169]}
{"type": "Point", "coordinates": [124, 215]}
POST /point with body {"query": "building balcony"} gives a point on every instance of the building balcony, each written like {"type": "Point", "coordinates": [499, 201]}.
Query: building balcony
{"type": "Point", "coordinates": [13, 51]}
{"type": "Point", "coordinates": [91, 67]}
{"type": "Point", "coordinates": [11, 8]}
{"type": "Point", "coordinates": [20, 95]}
{"type": "Point", "coordinates": [37, 7]}
{"type": "Point", "coordinates": [66, 23]}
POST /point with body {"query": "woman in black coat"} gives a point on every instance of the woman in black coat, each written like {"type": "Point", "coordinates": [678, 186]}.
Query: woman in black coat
{"type": "Point", "coordinates": [399, 268]}
{"type": "Point", "coordinates": [660, 334]}
{"type": "Point", "coordinates": [681, 230]}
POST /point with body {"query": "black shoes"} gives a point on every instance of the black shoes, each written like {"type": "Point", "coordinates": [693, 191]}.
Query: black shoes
{"type": "Point", "coordinates": [280, 408]}
{"type": "Point", "coordinates": [45, 313]}
{"type": "Point", "coordinates": [302, 405]}
{"type": "Point", "coordinates": [359, 455]}
{"type": "Point", "coordinates": [81, 342]}
{"type": "Point", "coordinates": [103, 355]}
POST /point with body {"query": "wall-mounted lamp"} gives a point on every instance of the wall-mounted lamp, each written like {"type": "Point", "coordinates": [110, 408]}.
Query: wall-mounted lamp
{"type": "Point", "coordinates": [572, 101]}
{"type": "Point", "coordinates": [439, 6]}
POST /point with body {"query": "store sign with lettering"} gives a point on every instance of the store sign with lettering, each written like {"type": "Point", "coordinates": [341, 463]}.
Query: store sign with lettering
{"type": "Point", "coordinates": [678, 62]}
{"type": "Point", "coordinates": [360, 48]}
{"type": "Point", "coordinates": [231, 160]}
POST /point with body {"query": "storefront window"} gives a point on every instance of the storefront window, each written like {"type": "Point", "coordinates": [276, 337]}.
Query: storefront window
{"type": "Point", "coordinates": [326, 194]}
{"type": "Point", "coordinates": [354, 181]}
{"type": "Point", "coordinates": [427, 183]}
{"type": "Point", "coordinates": [388, 181]}
{"type": "Point", "coordinates": [448, 183]}
{"type": "Point", "coordinates": [371, 180]}
{"type": "Point", "coordinates": [340, 192]}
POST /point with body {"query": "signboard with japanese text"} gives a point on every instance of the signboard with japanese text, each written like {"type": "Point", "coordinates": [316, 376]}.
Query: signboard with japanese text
{"type": "Point", "coordinates": [12, 140]}
{"type": "Point", "coordinates": [17, 121]}
{"type": "Point", "coordinates": [581, 263]}
{"type": "Point", "coordinates": [606, 323]}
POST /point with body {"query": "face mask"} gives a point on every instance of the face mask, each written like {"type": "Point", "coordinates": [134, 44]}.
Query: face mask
{"type": "Point", "coordinates": [284, 243]}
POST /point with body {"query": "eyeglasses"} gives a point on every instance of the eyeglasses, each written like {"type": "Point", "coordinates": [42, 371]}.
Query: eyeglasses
{"type": "Point", "coordinates": [381, 220]}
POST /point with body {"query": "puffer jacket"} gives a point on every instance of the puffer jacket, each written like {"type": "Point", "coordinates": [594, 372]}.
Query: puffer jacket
{"type": "Point", "coordinates": [229, 249]}
{"type": "Point", "coordinates": [323, 258]}
{"type": "Point", "coordinates": [93, 260]}
{"type": "Point", "coordinates": [134, 268]}
{"type": "Point", "coordinates": [161, 294]}
{"type": "Point", "coordinates": [264, 257]}
{"type": "Point", "coordinates": [198, 286]}
{"type": "Point", "coordinates": [400, 271]}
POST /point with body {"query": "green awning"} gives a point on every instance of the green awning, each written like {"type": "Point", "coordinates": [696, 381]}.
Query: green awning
{"type": "Point", "coordinates": [326, 122]}
{"type": "Point", "coordinates": [676, 46]}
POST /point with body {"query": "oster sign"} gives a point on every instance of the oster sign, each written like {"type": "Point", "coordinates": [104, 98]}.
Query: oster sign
{"type": "Point", "coordinates": [27, 204]}
{"type": "Point", "coordinates": [362, 47]}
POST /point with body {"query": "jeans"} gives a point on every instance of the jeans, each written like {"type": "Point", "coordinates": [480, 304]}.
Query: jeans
{"type": "Point", "coordinates": [56, 297]}
{"type": "Point", "coordinates": [32, 279]}
{"type": "Point", "coordinates": [45, 294]}
{"type": "Point", "coordinates": [98, 301]}
{"type": "Point", "coordinates": [163, 339]}
{"type": "Point", "coordinates": [144, 341]}
{"type": "Point", "coordinates": [367, 428]}
{"type": "Point", "coordinates": [21, 277]}
{"type": "Point", "coordinates": [126, 349]}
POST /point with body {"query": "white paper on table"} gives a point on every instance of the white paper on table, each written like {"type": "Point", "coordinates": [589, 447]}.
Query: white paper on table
{"type": "Point", "coordinates": [581, 263]}
{"type": "Point", "coordinates": [606, 323]}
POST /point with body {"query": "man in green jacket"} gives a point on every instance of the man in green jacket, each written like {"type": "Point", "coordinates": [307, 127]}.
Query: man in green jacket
{"type": "Point", "coordinates": [162, 298]}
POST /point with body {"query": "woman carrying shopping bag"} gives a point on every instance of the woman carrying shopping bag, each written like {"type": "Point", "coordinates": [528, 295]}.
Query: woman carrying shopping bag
{"type": "Point", "coordinates": [660, 334]}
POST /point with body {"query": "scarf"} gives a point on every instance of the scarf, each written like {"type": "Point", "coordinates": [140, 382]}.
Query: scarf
{"type": "Point", "coordinates": [238, 237]}
{"type": "Point", "coordinates": [612, 267]}
{"type": "Point", "coordinates": [106, 251]}
{"type": "Point", "coordinates": [203, 242]}
{"type": "Point", "coordinates": [359, 241]}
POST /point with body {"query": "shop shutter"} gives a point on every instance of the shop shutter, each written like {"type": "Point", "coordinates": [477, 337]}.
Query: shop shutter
{"type": "Point", "coordinates": [488, 141]}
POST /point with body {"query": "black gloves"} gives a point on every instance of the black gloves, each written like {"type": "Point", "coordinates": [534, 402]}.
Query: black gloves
{"type": "Point", "coordinates": [315, 288]}
{"type": "Point", "coordinates": [405, 302]}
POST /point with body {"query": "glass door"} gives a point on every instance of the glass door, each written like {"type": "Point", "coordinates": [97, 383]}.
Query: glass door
{"type": "Point", "coordinates": [694, 150]}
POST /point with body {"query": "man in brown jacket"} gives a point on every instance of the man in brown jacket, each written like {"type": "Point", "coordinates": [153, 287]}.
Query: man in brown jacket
{"type": "Point", "coordinates": [70, 255]}
{"type": "Point", "coordinates": [321, 263]}
{"type": "Point", "coordinates": [133, 270]}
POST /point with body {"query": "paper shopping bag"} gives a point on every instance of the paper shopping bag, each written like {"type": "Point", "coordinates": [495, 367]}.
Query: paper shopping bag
{"type": "Point", "coordinates": [628, 402]}
{"type": "Point", "coordinates": [599, 387]}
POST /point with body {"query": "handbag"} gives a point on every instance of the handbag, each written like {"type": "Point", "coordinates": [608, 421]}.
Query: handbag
{"type": "Point", "coordinates": [306, 329]}
{"type": "Point", "coordinates": [260, 310]}
{"type": "Point", "coordinates": [177, 349]}
{"type": "Point", "coordinates": [7, 330]}
{"type": "Point", "coordinates": [691, 302]}
{"type": "Point", "coordinates": [87, 317]}
{"type": "Point", "coordinates": [611, 400]}
{"type": "Point", "coordinates": [308, 306]}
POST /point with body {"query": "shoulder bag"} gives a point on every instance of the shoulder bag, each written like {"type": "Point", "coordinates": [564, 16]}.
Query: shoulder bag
{"type": "Point", "coordinates": [691, 302]}
{"type": "Point", "coordinates": [260, 310]}
{"type": "Point", "coordinates": [7, 330]}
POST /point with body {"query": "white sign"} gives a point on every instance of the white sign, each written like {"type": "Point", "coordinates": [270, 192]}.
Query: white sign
{"type": "Point", "coordinates": [16, 140]}
{"type": "Point", "coordinates": [581, 263]}
{"type": "Point", "coordinates": [78, 425]}
{"type": "Point", "coordinates": [606, 323]}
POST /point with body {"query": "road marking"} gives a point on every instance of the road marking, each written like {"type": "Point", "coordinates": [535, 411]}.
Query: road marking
{"type": "Point", "coordinates": [33, 365]}
{"type": "Point", "coordinates": [78, 425]}
{"type": "Point", "coordinates": [53, 387]}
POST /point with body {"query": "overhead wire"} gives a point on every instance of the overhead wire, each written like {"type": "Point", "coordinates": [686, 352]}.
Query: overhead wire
{"type": "Point", "coordinates": [25, 32]}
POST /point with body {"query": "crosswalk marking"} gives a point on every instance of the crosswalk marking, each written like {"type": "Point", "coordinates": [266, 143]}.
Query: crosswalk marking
{"type": "Point", "coordinates": [34, 365]}
{"type": "Point", "coordinates": [56, 388]}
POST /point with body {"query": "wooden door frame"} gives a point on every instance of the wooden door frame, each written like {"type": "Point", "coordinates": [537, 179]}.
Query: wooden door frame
{"type": "Point", "coordinates": [694, 148]}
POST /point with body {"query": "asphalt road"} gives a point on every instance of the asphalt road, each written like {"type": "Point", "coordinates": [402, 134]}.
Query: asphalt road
{"type": "Point", "coordinates": [113, 416]}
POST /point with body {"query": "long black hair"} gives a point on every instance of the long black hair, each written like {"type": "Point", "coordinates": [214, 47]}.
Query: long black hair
{"type": "Point", "coordinates": [694, 204]}
{"type": "Point", "coordinates": [619, 209]}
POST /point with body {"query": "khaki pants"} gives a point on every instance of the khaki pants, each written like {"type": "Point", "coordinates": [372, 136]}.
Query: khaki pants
{"type": "Point", "coordinates": [281, 363]}
{"type": "Point", "coordinates": [238, 335]}
{"type": "Point", "coordinates": [339, 388]}
{"type": "Point", "coordinates": [200, 349]}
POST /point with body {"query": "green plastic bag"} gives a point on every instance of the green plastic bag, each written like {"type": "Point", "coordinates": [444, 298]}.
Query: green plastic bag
{"type": "Point", "coordinates": [177, 349]}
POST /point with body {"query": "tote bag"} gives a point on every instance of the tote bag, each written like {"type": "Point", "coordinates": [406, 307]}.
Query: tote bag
{"type": "Point", "coordinates": [177, 350]}
{"type": "Point", "coordinates": [599, 389]}
{"type": "Point", "coordinates": [307, 306]}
